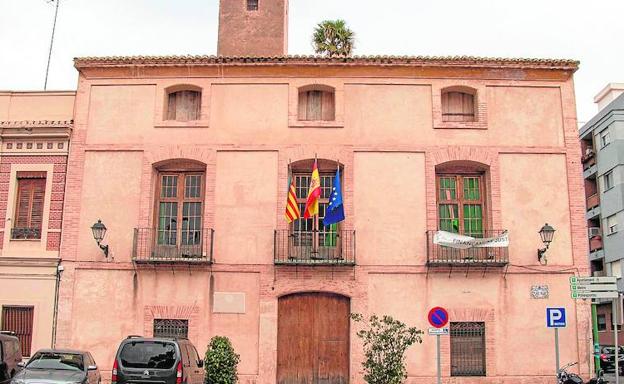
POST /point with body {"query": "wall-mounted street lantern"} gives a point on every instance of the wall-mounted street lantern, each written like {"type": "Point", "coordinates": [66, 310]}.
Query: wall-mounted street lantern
{"type": "Point", "coordinates": [99, 231]}
{"type": "Point", "coordinates": [546, 233]}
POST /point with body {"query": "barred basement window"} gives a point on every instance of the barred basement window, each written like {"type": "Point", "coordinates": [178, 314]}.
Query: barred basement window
{"type": "Point", "coordinates": [171, 328]}
{"type": "Point", "coordinates": [252, 5]}
{"type": "Point", "coordinates": [468, 349]}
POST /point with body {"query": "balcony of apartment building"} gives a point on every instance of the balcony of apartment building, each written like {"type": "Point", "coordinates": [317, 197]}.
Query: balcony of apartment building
{"type": "Point", "coordinates": [592, 198]}
{"type": "Point", "coordinates": [588, 159]}
{"type": "Point", "coordinates": [595, 243]}
{"type": "Point", "coordinates": [169, 246]}
{"type": "Point", "coordinates": [317, 247]}
{"type": "Point", "coordinates": [485, 248]}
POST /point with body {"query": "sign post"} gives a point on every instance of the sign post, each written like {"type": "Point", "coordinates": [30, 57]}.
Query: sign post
{"type": "Point", "coordinates": [556, 318]}
{"type": "Point", "coordinates": [604, 287]}
{"type": "Point", "coordinates": [438, 318]}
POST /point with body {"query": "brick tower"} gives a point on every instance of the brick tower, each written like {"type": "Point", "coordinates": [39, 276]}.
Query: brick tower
{"type": "Point", "coordinates": [253, 28]}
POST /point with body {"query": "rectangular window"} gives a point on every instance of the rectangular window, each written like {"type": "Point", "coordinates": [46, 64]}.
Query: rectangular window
{"type": "Point", "coordinates": [171, 328]}
{"type": "Point", "coordinates": [612, 225]}
{"type": "Point", "coordinates": [29, 208]}
{"type": "Point", "coordinates": [316, 105]}
{"type": "Point", "coordinates": [311, 231]}
{"type": "Point", "coordinates": [608, 180]}
{"type": "Point", "coordinates": [467, 349]}
{"type": "Point", "coordinates": [602, 323]}
{"type": "Point", "coordinates": [19, 319]}
{"type": "Point", "coordinates": [252, 5]}
{"type": "Point", "coordinates": [180, 210]}
{"type": "Point", "coordinates": [461, 204]}
{"type": "Point", "coordinates": [605, 138]}
{"type": "Point", "coordinates": [616, 269]}
{"type": "Point", "coordinates": [458, 106]}
{"type": "Point", "coordinates": [184, 106]}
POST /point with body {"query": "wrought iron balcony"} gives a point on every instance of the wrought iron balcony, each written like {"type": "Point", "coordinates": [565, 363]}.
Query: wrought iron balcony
{"type": "Point", "coordinates": [439, 255]}
{"type": "Point", "coordinates": [165, 247]}
{"type": "Point", "coordinates": [314, 247]}
{"type": "Point", "coordinates": [25, 233]}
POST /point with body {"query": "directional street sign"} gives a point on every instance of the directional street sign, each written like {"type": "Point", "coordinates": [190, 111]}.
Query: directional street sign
{"type": "Point", "coordinates": [594, 295]}
{"type": "Point", "coordinates": [593, 280]}
{"type": "Point", "coordinates": [593, 287]}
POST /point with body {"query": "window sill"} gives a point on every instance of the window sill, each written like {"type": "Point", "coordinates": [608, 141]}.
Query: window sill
{"type": "Point", "coordinates": [22, 240]}
{"type": "Point", "coordinates": [460, 125]}
{"type": "Point", "coordinates": [316, 124]}
{"type": "Point", "coordinates": [611, 233]}
{"type": "Point", "coordinates": [182, 124]}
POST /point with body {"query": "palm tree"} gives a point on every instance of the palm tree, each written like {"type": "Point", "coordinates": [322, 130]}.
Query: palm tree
{"type": "Point", "coordinates": [333, 38]}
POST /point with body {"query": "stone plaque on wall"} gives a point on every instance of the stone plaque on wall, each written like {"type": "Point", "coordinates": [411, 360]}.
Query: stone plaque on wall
{"type": "Point", "coordinates": [228, 302]}
{"type": "Point", "coordinates": [539, 292]}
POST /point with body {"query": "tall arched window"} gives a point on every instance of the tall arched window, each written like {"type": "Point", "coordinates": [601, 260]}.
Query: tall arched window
{"type": "Point", "coordinates": [311, 235]}
{"type": "Point", "coordinates": [461, 198]}
{"type": "Point", "coordinates": [179, 208]}
{"type": "Point", "coordinates": [458, 104]}
{"type": "Point", "coordinates": [317, 103]}
{"type": "Point", "coordinates": [183, 103]}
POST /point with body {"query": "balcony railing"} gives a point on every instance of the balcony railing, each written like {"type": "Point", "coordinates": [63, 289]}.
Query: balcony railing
{"type": "Point", "coordinates": [25, 233]}
{"type": "Point", "coordinates": [314, 247]}
{"type": "Point", "coordinates": [439, 255]}
{"type": "Point", "coordinates": [593, 201]}
{"type": "Point", "coordinates": [588, 159]}
{"type": "Point", "coordinates": [154, 246]}
{"type": "Point", "coordinates": [595, 243]}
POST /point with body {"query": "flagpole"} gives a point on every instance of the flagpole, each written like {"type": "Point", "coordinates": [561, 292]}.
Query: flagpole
{"type": "Point", "coordinates": [45, 84]}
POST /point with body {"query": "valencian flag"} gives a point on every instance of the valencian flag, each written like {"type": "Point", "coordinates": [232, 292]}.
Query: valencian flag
{"type": "Point", "coordinates": [292, 208]}
{"type": "Point", "coordinates": [314, 193]}
{"type": "Point", "coordinates": [335, 209]}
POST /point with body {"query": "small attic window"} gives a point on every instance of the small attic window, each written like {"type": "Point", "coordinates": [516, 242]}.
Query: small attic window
{"type": "Point", "coordinates": [184, 105]}
{"type": "Point", "coordinates": [316, 104]}
{"type": "Point", "coordinates": [252, 5]}
{"type": "Point", "coordinates": [458, 105]}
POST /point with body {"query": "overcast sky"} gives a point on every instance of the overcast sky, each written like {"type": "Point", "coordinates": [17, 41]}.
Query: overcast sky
{"type": "Point", "coordinates": [589, 31]}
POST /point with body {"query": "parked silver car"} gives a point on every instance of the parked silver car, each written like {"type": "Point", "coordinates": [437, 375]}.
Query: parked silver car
{"type": "Point", "coordinates": [54, 366]}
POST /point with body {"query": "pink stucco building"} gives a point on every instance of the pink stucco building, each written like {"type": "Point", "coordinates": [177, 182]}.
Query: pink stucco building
{"type": "Point", "coordinates": [35, 128]}
{"type": "Point", "coordinates": [186, 161]}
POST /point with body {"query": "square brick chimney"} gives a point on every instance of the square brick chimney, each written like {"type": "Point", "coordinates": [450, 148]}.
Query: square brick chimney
{"type": "Point", "coordinates": [253, 28]}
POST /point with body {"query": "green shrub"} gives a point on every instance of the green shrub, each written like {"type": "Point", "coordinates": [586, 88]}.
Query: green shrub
{"type": "Point", "coordinates": [385, 341]}
{"type": "Point", "coordinates": [221, 362]}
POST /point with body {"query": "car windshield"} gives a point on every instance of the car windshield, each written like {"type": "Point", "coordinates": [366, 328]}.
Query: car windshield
{"type": "Point", "coordinates": [56, 361]}
{"type": "Point", "coordinates": [148, 354]}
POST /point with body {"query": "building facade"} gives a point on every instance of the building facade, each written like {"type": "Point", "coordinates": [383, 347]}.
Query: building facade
{"type": "Point", "coordinates": [186, 161]}
{"type": "Point", "coordinates": [603, 168]}
{"type": "Point", "coordinates": [35, 129]}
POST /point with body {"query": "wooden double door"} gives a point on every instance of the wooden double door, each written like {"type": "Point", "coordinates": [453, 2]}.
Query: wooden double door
{"type": "Point", "coordinates": [313, 339]}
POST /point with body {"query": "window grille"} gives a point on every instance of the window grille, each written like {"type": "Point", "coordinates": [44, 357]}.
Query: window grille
{"type": "Point", "coordinates": [19, 320]}
{"type": "Point", "coordinates": [171, 328]}
{"type": "Point", "coordinates": [468, 349]}
{"type": "Point", "coordinates": [252, 5]}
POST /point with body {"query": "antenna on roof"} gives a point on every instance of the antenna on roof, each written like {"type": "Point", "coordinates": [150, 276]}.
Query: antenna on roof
{"type": "Point", "coordinates": [45, 84]}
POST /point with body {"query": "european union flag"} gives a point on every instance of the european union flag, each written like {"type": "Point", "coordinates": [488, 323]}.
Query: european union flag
{"type": "Point", "coordinates": [335, 209]}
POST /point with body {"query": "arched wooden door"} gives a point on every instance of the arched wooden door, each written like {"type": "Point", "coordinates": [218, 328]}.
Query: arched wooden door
{"type": "Point", "coordinates": [313, 339]}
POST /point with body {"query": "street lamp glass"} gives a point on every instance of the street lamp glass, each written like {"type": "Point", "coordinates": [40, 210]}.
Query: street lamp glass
{"type": "Point", "coordinates": [547, 233]}
{"type": "Point", "coordinates": [99, 231]}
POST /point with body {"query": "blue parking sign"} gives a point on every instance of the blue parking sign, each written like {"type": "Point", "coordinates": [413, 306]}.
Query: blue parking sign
{"type": "Point", "coordinates": [555, 317]}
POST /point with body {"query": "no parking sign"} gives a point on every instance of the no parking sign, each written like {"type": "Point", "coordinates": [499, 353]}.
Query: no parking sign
{"type": "Point", "coordinates": [438, 317]}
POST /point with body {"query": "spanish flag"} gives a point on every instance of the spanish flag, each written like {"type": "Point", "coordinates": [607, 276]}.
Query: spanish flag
{"type": "Point", "coordinates": [314, 193]}
{"type": "Point", "coordinates": [292, 208]}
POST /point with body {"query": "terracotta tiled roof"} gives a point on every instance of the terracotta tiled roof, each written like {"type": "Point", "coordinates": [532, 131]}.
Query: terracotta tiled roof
{"type": "Point", "coordinates": [36, 123]}
{"type": "Point", "coordinates": [450, 61]}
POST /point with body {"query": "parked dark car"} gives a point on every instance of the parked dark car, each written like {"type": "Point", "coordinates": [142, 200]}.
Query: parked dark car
{"type": "Point", "coordinates": [10, 356]}
{"type": "Point", "coordinates": [162, 360]}
{"type": "Point", "coordinates": [51, 366]}
{"type": "Point", "coordinates": [607, 358]}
